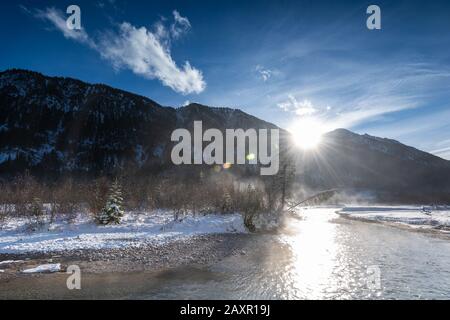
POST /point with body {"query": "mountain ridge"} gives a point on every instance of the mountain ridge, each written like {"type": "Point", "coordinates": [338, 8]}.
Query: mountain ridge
{"type": "Point", "coordinates": [58, 125]}
{"type": "Point", "coordinates": [70, 125]}
{"type": "Point", "coordinates": [384, 139]}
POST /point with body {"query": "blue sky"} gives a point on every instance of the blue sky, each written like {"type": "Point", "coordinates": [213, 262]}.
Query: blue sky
{"type": "Point", "coordinates": [311, 64]}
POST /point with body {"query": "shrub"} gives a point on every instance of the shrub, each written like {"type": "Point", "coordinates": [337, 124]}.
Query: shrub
{"type": "Point", "coordinates": [35, 214]}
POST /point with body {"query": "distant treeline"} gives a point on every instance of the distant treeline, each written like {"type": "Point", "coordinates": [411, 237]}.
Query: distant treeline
{"type": "Point", "coordinates": [195, 192]}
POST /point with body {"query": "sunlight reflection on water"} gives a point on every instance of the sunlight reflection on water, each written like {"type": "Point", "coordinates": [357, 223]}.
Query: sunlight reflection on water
{"type": "Point", "coordinates": [323, 256]}
{"type": "Point", "coordinates": [322, 264]}
{"type": "Point", "coordinates": [312, 265]}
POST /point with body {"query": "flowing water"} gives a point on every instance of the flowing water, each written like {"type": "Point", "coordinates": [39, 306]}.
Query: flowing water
{"type": "Point", "coordinates": [320, 256]}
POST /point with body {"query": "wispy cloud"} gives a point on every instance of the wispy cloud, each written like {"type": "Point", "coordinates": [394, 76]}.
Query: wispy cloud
{"type": "Point", "coordinates": [300, 108]}
{"type": "Point", "coordinates": [443, 151]}
{"type": "Point", "coordinates": [420, 125]}
{"type": "Point", "coordinates": [361, 94]}
{"type": "Point", "coordinates": [180, 26]}
{"type": "Point", "coordinates": [145, 52]}
{"type": "Point", "coordinates": [57, 18]}
{"type": "Point", "coordinates": [263, 73]}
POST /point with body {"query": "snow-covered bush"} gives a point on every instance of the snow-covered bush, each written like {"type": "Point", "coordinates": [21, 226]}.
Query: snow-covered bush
{"type": "Point", "coordinates": [66, 200]}
{"type": "Point", "coordinates": [267, 221]}
{"type": "Point", "coordinates": [251, 205]}
{"type": "Point", "coordinates": [227, 203]}
{"type": "Point", "coordinates": [36, 214]}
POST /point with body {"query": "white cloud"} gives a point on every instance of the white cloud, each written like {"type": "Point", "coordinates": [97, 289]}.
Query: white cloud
{"type": "Point", "coordinates": [58, 19]}
{"type": "Point", "coordinates": [141, 51]}
{"type": "Point", "coordinates": [302, 108]}
{"type": "Point", "coordinates": [263, 73]}
{"type": "Point", "coordinates": [180, 26]}
{"type": "Point", "coordinates": [162, 33]}
{"type": "Point", "coordinates": [145, 52]}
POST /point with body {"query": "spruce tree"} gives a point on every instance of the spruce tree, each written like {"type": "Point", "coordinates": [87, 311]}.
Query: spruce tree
{"type": "Point", "coordinates": [112, 212]}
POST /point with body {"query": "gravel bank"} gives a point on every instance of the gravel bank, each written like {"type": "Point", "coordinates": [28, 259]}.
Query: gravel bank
{"type": "Point", "coordinates": [198, 250]}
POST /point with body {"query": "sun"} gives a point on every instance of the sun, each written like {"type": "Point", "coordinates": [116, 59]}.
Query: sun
{"type": "Point", "coordinates": [307, 133]}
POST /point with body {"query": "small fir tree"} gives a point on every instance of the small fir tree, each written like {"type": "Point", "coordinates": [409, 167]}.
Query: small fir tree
{"type": "Point", "coordinates": [112, 212]}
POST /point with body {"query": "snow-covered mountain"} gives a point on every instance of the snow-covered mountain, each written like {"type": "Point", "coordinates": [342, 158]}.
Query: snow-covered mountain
{"type": "Point", "coordinates": [53, 125]}
{"type": "Point", "coordinates": [348, 160]}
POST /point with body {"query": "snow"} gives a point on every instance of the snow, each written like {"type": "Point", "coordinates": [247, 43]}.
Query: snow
{"type": "Point", "coordinates": [135, 229]}
{"type": "Point", "coordinates": [414, 216]}
{"type": "Point", "coordinates": [140, 155]}
{"type": "Point", "coordinates": [8, 154]}
{"type": "Point", "coordinates": [55, 267]}
{"type": "Point", "coordinates": [158, 151]}
{"type": "Point", "coordinates": [10, 262]}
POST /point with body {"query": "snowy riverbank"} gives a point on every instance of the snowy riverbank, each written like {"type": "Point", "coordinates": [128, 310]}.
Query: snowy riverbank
{"type": "Point", "coordinates": [158, 227]}
{"type": "Point", "coordinates": [411, 216]}
{"type": "Point", "coordinates": [136, 229]}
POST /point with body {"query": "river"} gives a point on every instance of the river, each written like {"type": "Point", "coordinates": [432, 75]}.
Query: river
{"type": "Point", "coordinates": [320, 256]}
